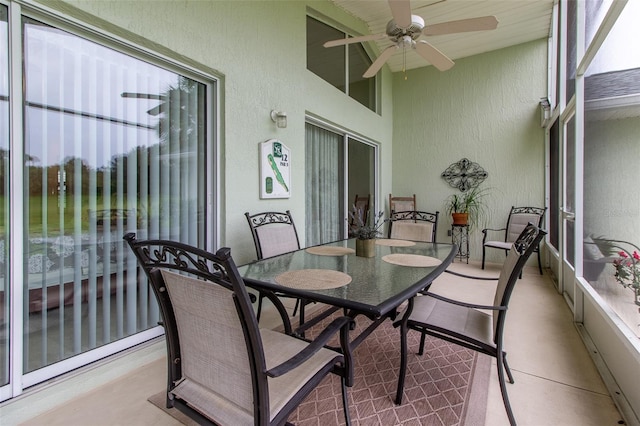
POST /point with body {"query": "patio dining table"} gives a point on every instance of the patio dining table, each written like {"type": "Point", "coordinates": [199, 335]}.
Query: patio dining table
{"type": "Point", "coordinates": [374, 287]}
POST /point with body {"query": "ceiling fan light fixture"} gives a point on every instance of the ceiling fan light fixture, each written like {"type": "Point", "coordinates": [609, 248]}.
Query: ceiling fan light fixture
{"type": "Point", "coordinates": [407, 41]}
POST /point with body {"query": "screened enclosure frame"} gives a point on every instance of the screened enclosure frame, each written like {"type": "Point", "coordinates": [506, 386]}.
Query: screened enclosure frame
{"type": "Point", "coordinates": [609, 333]}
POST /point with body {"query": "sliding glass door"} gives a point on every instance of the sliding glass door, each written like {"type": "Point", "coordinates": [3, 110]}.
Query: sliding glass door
{"type": "Point", "coordinates": [339, 166]}
{"type": "Point", "coordinates": [106, 143]}
{"type": "Point", "coordinates": [112, 145]}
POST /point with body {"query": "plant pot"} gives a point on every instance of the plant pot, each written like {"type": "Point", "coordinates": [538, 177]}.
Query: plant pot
{"type": "Point", "coordinates": [366, 248]}
{"type": "Point", "coordinates": [460, 218]}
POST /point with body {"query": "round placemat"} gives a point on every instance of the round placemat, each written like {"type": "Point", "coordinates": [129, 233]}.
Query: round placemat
{"type": "Point", "coordinates": [411, 260]}
{"type": "Point", "coordinates": [313, 279]}
{"type": "Point", "coordinates": [330, 250]}
{"type": "Point", "coordinates": [395, 243]}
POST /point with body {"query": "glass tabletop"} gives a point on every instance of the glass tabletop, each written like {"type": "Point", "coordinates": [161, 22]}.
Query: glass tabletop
{"type": "Point", "coordinates": [376, 287]}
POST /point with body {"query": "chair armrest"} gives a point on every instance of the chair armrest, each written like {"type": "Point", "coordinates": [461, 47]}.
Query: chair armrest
{"type": "Point", "coordinates": [286, 322]}
{"type": "Point", "coordinates": [342, 324]}
{"type": "Point", "coordinates": [493, 229]}
{"type": "Point", "coordinates": [484, 232]}
{"type": "Point", "coordinates": [467, 305]}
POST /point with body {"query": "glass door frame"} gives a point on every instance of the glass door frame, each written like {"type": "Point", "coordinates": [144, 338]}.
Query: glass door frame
{"type": "Point", "coordinates": [18, 381]}
{"type": "Point", "coordinates": [346, 135]}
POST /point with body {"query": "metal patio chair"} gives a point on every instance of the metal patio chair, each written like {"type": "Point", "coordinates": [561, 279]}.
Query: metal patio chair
{"type": "Point", "coordinates": [464, 323]}
{"type": "Point", "coordinates": [222, 368]}
{"type": "Point", "coordinates": [401, 204]}
{"type": "Point", "coordinates": [518, 219]}
{"type": "Point", "coordinates": [274, 233]}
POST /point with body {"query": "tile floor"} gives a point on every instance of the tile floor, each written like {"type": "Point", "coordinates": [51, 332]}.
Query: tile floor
{"type": "Point", "coordinates": [556, 380]}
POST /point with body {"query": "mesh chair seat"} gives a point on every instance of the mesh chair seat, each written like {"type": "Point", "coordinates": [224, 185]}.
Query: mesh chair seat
{"type": "Point", "coordinates": [456, 319]}
{"type": "Point", "coordinates": [499, 245]}
{"type": "Point", "coordinates": [212, 405]}
{"type": "Point", "coordinates": [278, 347]}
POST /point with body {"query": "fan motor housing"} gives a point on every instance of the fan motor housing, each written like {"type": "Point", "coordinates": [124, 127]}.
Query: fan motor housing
{"type": "Point", "coordinates": [414, 30]}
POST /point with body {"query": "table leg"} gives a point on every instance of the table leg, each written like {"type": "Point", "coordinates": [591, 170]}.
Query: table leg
{"type": "Point", "coordinates": [403, 351]}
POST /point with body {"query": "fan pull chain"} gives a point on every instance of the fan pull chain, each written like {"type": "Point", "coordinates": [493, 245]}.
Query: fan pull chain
{"type": "Point", "coordinates": [404, 62]}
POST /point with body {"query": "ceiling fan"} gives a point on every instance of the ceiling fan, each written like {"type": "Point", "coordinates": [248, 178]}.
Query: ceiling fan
{"type": "Point", "coordinates": [405, 29]}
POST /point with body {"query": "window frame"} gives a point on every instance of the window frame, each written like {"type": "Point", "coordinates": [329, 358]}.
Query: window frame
{"type": "Point", "coordinates": [366, 47]}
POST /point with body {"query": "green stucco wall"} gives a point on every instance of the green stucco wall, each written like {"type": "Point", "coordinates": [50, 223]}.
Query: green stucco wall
{"type": "Point", "coordinates": [486, 109]}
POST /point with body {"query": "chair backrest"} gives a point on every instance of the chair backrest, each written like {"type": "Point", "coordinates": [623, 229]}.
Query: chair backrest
{"type": "Point", "coordinates": [518, 219]}
{"type": "Point", "coordinates": [213, 339]}
{"type": "Point", "coordinates": [413, 225]}
{"type": "Point", "coordinates": [402, 204]}
{"type": "Point", "coordinates": [361, 203]}
{"type": "Point", "coordinates": [273, 233]}
{"type": "Point", "coordinates": [523, 247]}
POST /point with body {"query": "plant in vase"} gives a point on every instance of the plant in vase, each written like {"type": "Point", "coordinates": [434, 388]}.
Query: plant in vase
{"type": "Point", "coordinates": [467, 208]}
{"type": "Point", "coordinates": [365, 229]}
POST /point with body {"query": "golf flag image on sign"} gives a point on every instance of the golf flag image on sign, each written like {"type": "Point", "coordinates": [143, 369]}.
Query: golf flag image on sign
{"type": "Point", "coordinates": [275, 170]}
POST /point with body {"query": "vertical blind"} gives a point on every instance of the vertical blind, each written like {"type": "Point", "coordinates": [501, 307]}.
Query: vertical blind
{"type": "Point", "coordinates": [112, 145]}
{"type": "Point", "coordinates": [324, 184]}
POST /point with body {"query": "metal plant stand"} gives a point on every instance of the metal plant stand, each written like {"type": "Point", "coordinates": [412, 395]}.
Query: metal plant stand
{"type": "Point", "coordinates": [460, 236]}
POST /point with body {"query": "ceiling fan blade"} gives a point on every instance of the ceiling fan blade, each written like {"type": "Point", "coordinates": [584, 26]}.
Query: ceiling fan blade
{"type": "Point", "coordinates": [350, 40]}
{"type": "Point", "coordinates": [378, 63]}
{"type": "Point", "coordinates": [401, 11]}
{"type": "Point", "coordinates": [433, 55]}
{"type": "Point", "coordinates": [464, 25]}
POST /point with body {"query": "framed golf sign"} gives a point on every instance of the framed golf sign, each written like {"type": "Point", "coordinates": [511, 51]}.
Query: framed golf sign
{"type": "Point", "coordinates": [275, 169]}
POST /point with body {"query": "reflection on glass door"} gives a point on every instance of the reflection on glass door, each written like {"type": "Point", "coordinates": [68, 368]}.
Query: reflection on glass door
{"type": "Point", "coordinates": [361, 182]}
{"type": "Point", "coordinates": [112, 145]}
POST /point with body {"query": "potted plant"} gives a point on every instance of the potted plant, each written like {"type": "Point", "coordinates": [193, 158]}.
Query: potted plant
{"type": "Point", "coordinates": [365, 229]}
{"type": "Point", "coordinates": [467, 208]}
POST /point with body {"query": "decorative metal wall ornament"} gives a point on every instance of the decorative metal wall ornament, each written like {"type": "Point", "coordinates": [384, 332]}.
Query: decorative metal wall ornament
{"type": "Point", "coordinates": [464, 174]}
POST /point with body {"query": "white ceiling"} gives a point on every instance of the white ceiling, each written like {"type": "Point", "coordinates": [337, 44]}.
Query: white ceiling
{"type": "Point", "coordinates": [519, 21]}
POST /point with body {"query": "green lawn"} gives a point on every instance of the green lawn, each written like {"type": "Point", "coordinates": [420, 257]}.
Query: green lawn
{"type": "Point", "coordinates": [57, 218]}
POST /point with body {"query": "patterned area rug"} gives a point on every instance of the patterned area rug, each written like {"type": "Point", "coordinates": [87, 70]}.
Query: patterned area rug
{"type": "Point", "coordinates": [445, 386]}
